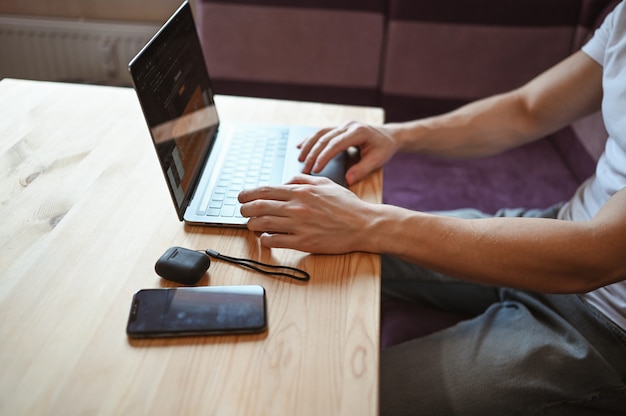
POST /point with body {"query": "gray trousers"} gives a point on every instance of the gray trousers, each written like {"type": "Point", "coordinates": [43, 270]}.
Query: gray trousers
{"type": "Point", "coordinates": [523, 354]}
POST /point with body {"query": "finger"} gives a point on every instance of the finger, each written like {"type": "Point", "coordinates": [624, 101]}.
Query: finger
{"type": "Point", "coordinates": [276, 193]}
{"type": "Point", "coordinates": [307, 180]}
{"type": "Point", "coordinates": [360, 170]}
{"type": "Point", "coordinates": [313, 138]}
{"type": "Point", "coordinates": [313, 153]}
{"type": "Point", "coordinates": [334, 147]}
{"type": "Point", "coordinates": [347, 140]}
{"type": "Point", "coordinates": [353, 175]}
{"type": "Point", "coordinates": [306, 145]}
{"type": "Point", "coordinates": [269, 224]}
{"type": "Point", "coordinates": [275, 240]}
{"type": "Point", "coordinates": [261, 208]}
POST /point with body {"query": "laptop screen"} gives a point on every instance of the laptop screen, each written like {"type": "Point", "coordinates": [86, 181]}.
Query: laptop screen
{"type": "Point", "coordinates": [175, 93]}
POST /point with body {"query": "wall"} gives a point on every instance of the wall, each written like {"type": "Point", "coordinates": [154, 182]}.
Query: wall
{"type": "Point", "coordinates": [89, 41]}
{"type": "Point", "coordinates": [120, 10]}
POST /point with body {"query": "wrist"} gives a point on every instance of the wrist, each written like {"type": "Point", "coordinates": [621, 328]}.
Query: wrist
{"type": "Point", "coordinates": [407, 136]}
{"type": "Point", "coordinates": [382, 232]}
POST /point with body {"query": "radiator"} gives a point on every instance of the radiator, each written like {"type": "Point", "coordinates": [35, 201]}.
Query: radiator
{"type": "Point", "coordinates": [70, 50]}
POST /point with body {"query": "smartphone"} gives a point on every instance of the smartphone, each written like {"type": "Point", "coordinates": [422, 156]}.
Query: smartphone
{"type": "Point", "coordinates": [189, 311]}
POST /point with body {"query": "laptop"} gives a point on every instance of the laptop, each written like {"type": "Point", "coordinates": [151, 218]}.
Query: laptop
{"type": "Point", "coordinates": [207, 163]}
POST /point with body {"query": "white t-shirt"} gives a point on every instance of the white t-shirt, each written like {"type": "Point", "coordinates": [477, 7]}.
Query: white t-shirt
{"type": "Point", "coordinates": [608, 48]}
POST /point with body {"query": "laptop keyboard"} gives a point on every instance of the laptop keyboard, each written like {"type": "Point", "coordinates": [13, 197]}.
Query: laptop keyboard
{"type": "Point", "coordinates": [256, 159]}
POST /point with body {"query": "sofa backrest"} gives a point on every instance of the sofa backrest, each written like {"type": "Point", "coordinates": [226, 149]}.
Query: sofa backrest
{"type": "Point", "coordinates": [313, 50]}
{"type": "Point", "coordinates": [440, 55]}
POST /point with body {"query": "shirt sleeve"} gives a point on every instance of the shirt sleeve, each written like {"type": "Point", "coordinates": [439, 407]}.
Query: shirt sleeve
{"type": "Point", "coordinates": [596, 46]}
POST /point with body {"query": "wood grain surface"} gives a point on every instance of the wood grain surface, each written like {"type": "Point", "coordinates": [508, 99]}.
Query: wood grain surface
{"type": "Point", "coordinates": [86, 214]}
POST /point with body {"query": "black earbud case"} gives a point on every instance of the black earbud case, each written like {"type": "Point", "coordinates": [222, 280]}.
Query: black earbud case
{"type": "Point", "coordinates": [182, 265]}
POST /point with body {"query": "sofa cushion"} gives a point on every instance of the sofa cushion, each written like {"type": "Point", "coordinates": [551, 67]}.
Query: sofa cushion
{"type": "Point", "coordinates": [533, 176]}
{"type": "Point", "coordinates": [403, 321]}
{"type": "Point", "coordinates": [302, 49]}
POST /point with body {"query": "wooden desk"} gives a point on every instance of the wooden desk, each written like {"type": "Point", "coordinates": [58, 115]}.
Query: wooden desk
{"type": "Point", "coordinates": [85, 215]}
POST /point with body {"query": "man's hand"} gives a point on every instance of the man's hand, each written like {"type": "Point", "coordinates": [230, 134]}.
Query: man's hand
{"type": "Point", "coordinates": [311, 214]}
{"type": "Point", "coordinates": [376, 145]}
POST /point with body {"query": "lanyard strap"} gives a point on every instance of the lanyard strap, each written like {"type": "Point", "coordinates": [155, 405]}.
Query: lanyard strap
{"type": "Point", "coordinates": [257, 266]}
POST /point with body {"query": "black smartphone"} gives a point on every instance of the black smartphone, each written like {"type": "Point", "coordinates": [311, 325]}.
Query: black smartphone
{"type": "Point", "coordinates": [189, 311]}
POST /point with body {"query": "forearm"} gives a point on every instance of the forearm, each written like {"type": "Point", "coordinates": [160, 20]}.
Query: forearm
{"type": "Point", "coordinates": [482, 128]}
{"type": "Point", "coordinates": [562, 94]}
{"type": "Point", "coordinates": [535, 254]}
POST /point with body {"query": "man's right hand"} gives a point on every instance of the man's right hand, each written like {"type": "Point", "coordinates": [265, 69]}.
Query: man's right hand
{"type": "Point", "coordinates": [376, 145]}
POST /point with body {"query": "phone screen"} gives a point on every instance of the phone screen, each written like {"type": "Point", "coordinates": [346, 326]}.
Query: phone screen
{"type": "Point", "coordinates": [187, 311]}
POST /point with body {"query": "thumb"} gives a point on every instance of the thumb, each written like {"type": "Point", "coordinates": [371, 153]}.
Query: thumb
{"type": "Point", "coordinates": [360, 170]}
{"type": "Point", "coordinates": [354, 174]}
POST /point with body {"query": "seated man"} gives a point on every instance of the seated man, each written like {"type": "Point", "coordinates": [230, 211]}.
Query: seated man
{"type": "Point", "coordinates": [549, 286]}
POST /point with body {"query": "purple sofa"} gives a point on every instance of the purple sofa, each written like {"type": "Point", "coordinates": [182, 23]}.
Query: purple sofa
{"type": "Point", "coordinates": [415, 58]}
